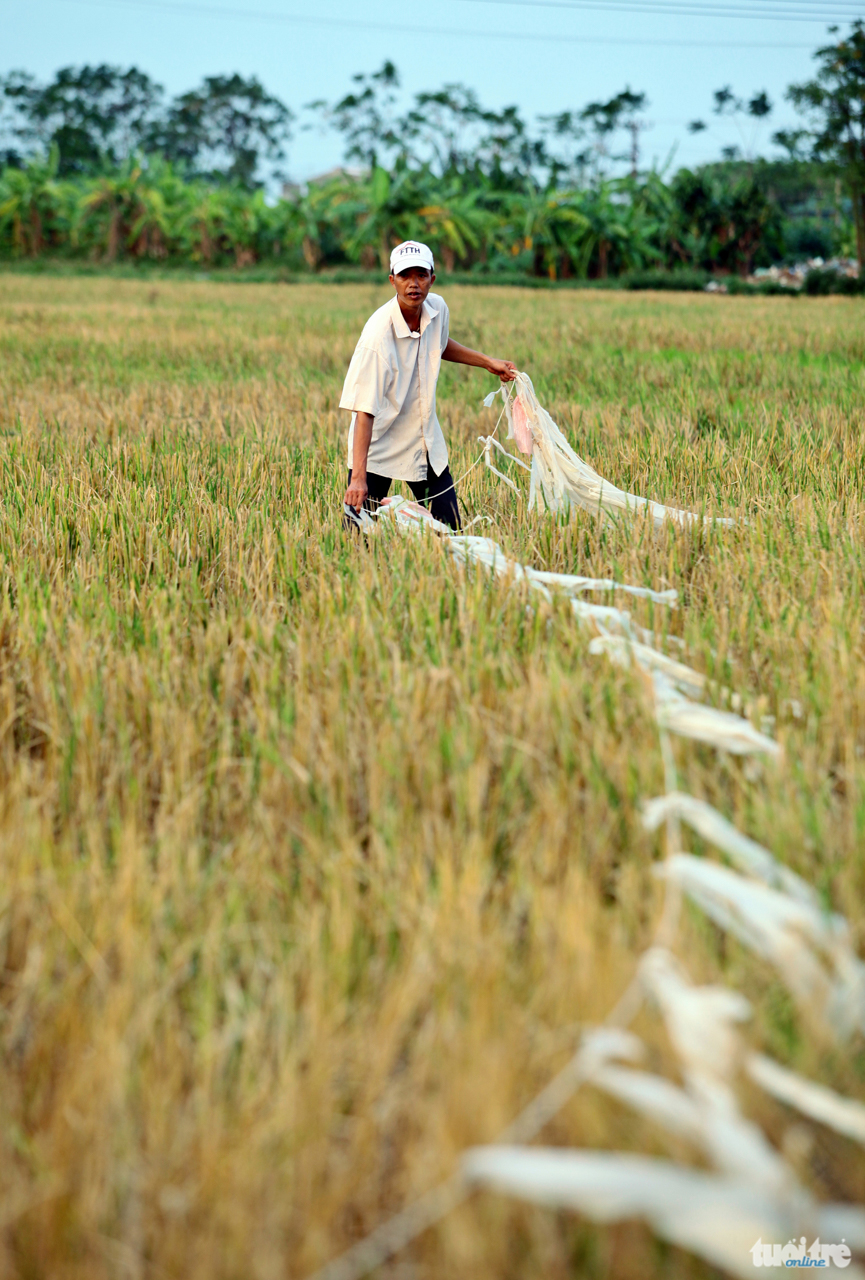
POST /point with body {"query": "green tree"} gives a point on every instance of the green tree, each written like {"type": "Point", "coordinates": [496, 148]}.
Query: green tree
{"type": "Point", "coordinates": [605, 118]}
{"type": "Point", "coordinates": [721, 226]}
{"type": "Point", "coordinates": [223, 129]}
{"type": "Point", "coordinates": [835, 102]}
{"type": "Point", "coordinates": [506, 151]}
{"type": "Point", "coordinates": [367, 117]}
{"type": "Point", "coordinates": [448, 131]}
{"type": "Point", "coordinates": [566, 156]}
{"type": "Point", "coordinates": [443, 128]}
{"type": "Point", "coordinates": [726, 105]}
{"type": "Point", "coordinates": [96, 116]}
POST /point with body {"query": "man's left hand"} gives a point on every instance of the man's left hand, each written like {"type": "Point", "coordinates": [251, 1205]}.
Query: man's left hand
{"type": "Point", "coordinates": [504, 369]}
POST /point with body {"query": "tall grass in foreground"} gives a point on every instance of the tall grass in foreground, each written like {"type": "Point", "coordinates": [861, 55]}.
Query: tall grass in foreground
{"type": "Point", "coordinates": [318, 857]}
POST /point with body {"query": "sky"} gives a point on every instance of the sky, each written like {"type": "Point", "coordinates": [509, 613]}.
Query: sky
{"type": "Point", "coordinates": [544, 57]}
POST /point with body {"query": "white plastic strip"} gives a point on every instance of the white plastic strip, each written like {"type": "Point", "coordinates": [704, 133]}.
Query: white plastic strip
{"type": "Point", "coordinates": [746, 853]}
{"type": "Point", "coordinates": [844, 1115]}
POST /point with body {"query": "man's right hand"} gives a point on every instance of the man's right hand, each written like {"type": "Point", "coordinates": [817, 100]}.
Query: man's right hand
{"type": "Point", "coordinates": [357, 492]}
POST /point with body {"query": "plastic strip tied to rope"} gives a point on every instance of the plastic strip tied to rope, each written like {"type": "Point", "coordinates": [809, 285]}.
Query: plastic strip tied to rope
{"type": "Point", "coordinates": [559, 477]}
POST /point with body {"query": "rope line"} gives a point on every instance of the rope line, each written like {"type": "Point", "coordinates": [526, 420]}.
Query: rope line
{"type": "Point", "coordinates": [507, 390]}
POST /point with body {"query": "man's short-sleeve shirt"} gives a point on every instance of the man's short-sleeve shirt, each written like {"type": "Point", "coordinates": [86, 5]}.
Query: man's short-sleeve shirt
{"type": "Point", "coordinates": [393, 375]}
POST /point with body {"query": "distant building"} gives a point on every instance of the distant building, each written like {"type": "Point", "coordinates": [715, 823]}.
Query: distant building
{"type": "Point", "coordinates": [292, 190]}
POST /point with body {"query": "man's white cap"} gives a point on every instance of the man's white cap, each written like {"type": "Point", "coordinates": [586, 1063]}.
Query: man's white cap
{"type": "Point", "coordinates": [411, 253]}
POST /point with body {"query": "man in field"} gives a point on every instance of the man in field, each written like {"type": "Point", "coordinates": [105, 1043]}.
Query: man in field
{"type": "Point", "coordinates": [390, 389]}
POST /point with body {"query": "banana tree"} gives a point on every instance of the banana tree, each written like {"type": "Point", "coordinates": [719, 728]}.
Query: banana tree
{"type": "Point", "coordinates": [456, 225]}
{"type": "Point", "coordinates": [382, 215]}
{"type": "Point", "coordinates": [111, 208]}
{"type": "Point", "coordinates": [619, 231]}
{"type": "Point", "coordinates": [246, 226]}
{"type": "Point", "coordinates": [32, 204]}
{"type": "Point", "coordinates": [550, 226]}
{"type": "Point", "coordinates": [320, 223]}
{"type": "Point", "coordinates": [164, 197]}
{"type": "Point", "coordinates": [719, 226]}
{"type": "Point", "coordinates": [203, 224]}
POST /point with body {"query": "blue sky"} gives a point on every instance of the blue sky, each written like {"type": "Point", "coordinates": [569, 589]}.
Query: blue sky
{"type": "Point", "coordinates": [543, 58]}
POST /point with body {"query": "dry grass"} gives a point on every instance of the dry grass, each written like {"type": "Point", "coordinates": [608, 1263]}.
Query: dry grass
{"type": "Point", "coordinates": [316, 856]}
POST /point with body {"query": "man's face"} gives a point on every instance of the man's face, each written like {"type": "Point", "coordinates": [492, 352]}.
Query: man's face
{"type": "Point", "coordinates": [413, 285]}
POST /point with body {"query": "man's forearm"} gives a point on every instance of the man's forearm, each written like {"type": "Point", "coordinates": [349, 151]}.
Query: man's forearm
{"type": "Point", "coordinates": [458, 354]}
{"type": "Point", "coordinates": [357, 491]}
{"type": "Point", "coordinates": [360, 449]}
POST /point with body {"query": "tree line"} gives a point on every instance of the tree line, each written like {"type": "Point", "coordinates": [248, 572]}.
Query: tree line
{"type": "Point", "coordinates": [98, 163]}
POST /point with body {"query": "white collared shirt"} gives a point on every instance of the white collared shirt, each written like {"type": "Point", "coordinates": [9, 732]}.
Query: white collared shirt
{"type": "Point", "coordinates": [393, 375]}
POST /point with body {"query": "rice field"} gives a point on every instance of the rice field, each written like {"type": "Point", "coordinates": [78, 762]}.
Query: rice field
{"type": "Point", "coordinates": [319, 856]}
